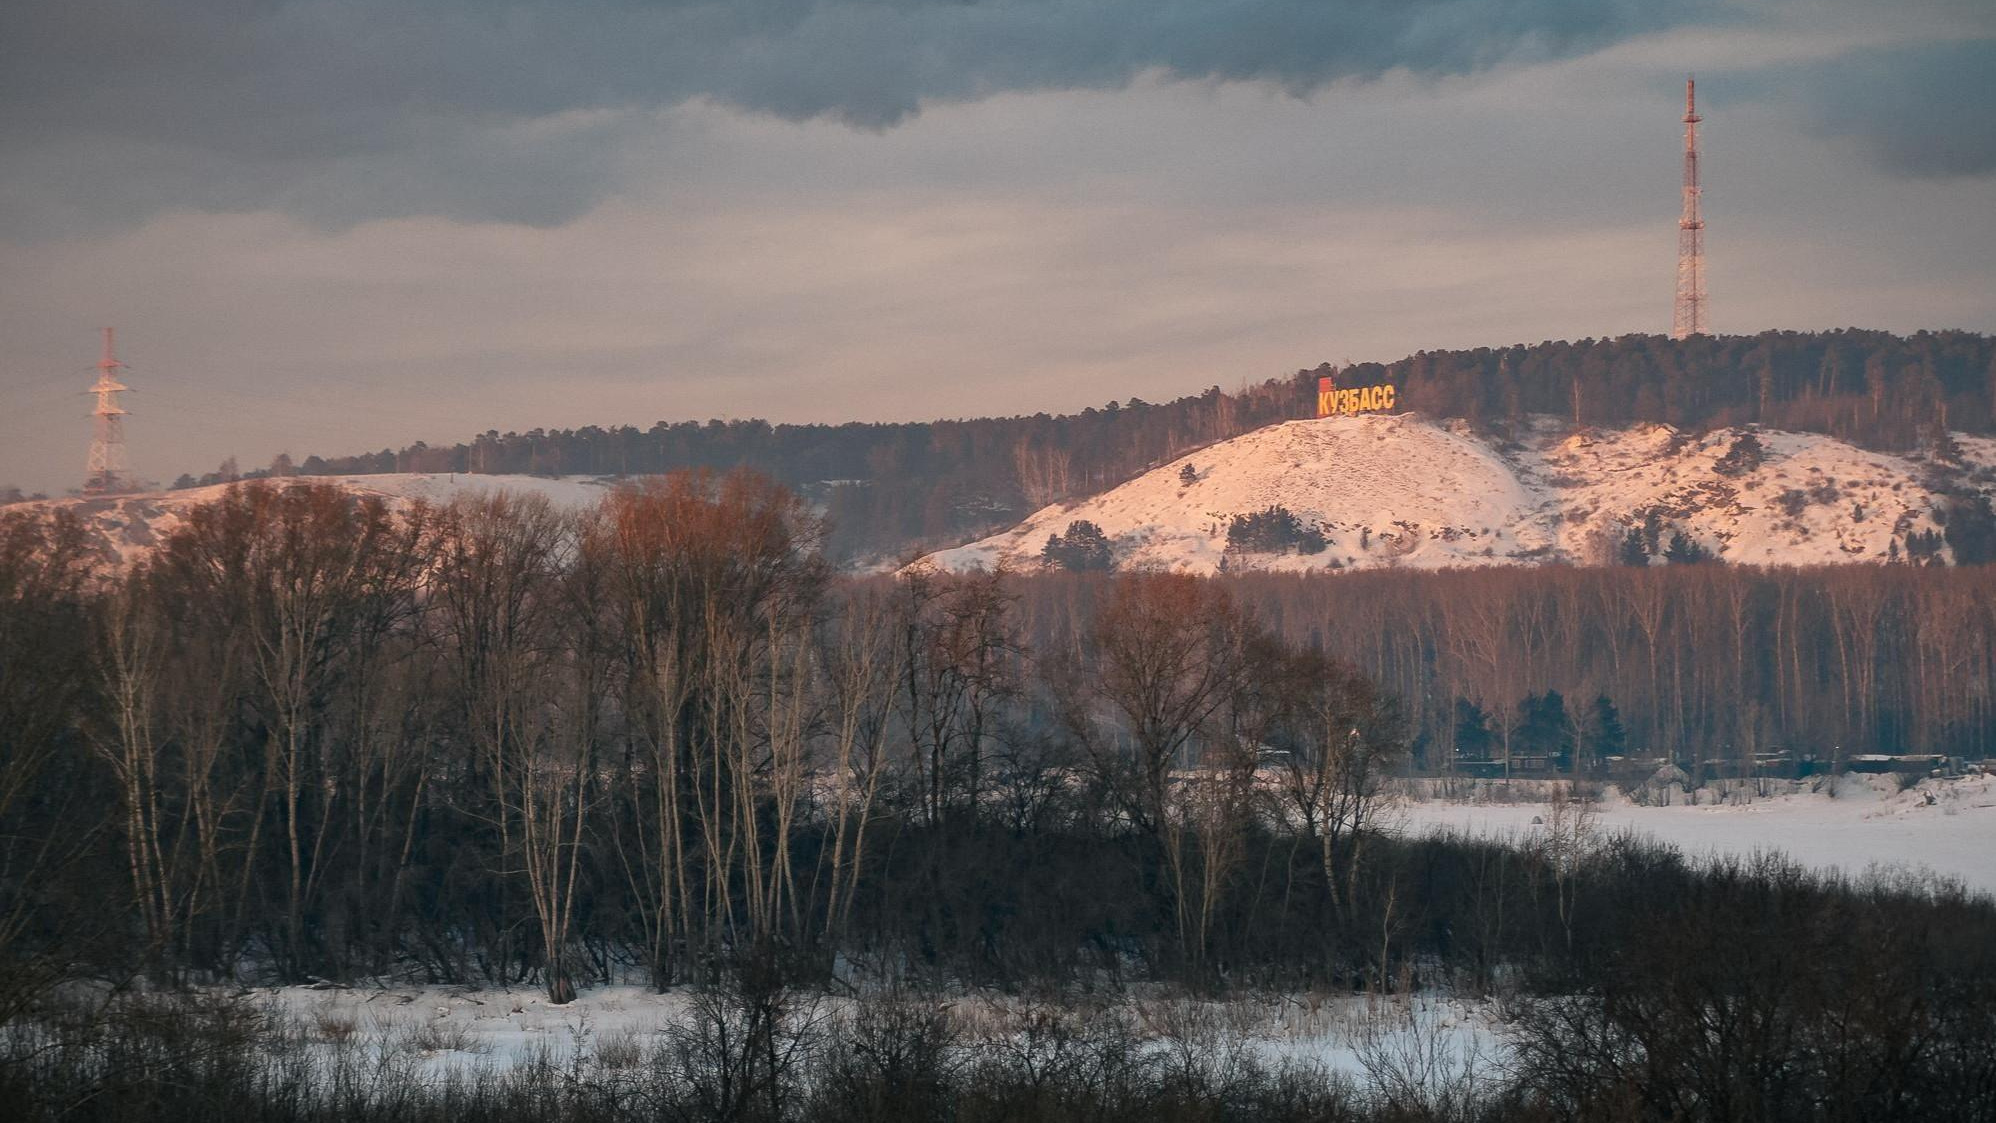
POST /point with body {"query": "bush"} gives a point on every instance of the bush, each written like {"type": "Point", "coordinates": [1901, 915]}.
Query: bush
{"type": "Point", "coordinates": [896, 1058]}
{"type": "Point", "coordinates": [1744, 456]}
{"type": "Point", "coordinates": [740, 1055]}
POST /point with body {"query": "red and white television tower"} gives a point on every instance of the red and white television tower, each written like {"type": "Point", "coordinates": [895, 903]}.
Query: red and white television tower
{"type": "Point", "coordinates": [107, 472]}
{"type": "Point", "coordinates": [1689, 317]}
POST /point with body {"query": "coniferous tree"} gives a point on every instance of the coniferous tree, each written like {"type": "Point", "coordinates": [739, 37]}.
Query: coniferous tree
{"type": "Point", "coordinates": [1273, 530]}
{"type": "Point", "coordinates": [1544, 729]}
{"type": "Point", "coordinates": [1685, 550]}
{"type": "Point", "coordinates": [1473, 736]}
{"type": "Point", "coordinates": [1083, 549]}
{"type": "Point", "coordinates": [1633, 551]}
{"type": "Point", "coordinates": [1971, 530]}
{"type": "Point", "coordinates": [1605, 737]}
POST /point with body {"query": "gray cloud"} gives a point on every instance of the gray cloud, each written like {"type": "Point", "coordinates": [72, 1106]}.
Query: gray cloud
{"type": "Point", "coordinates": [1039, 250]}
{"type": "Point", "coordinates": [336, 110]}
{"type": "Point", "coordinates": [1926, 110]}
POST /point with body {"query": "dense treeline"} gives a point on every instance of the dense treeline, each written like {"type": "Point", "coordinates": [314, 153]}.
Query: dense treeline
{"type": "Point", "coordinates": [312, 737]}
{"type": "Point", "coordinates": [1707, 666]}
{"type": "Point", "coordinates": [1872, 388]}
{"type": "Point", "coordinates": [888, 488]}
{"type": "Point", "coordinates": [892, 487]}
{"type": "Point", "coordinates": [315, 737]}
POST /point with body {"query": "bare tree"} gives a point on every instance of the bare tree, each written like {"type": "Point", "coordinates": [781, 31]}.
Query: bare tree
{"type": "Point", "coordinates": [958, 657]}
{"type": "Point", "coordinates": [1172, 653]}
{"type": "Point", "coordinates": [516, 641]}
{"type": "Point", "coordinates": [716, 582]}
{"type": "Point", "coordinates": [44, 681]}
{"type": "Point", "coordinates": [1563, 849]}
{"type": "Point", "coordinates": [1346, 739]}
{"type": "Point", "coordinates": [131, 651]}
{"type": "Point", "coordinates": [1169, 652]}
{"type": "Point", "coordinates": [316, 581]}
{"type": "Point", "coordinates": [861, 683]}
{"type": "Point", "coordinates": [1043, 471]}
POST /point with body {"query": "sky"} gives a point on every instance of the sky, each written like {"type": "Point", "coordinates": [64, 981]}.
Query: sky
{"type": "Point", "coordinates": [331, 226]}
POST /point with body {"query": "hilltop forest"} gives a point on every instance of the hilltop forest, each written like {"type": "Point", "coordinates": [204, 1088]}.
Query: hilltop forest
{"type": "Point", "coordinates": [892, 488]}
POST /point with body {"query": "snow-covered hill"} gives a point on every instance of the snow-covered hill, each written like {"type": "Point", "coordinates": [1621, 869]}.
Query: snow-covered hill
{"type": "Point", "coordinates": [1381, 491]}
{"type": "Point", "coordinates": [1403, 491]}
{"type": "Point", "coordinates": [125, 527]}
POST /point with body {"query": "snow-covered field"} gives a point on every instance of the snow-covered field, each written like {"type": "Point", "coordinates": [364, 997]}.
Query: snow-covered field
{"type": "Point", "coordinates": [1404, 491]}
{"type": "Point", "coordinates": [432, 1031]}
{"type": "Point", "coordinates": [1953, 834]}
{"type": "Point", "coordinates": [426, 1034]}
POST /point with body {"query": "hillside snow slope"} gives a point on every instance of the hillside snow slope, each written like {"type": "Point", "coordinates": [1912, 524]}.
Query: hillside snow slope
{"type": "Point", "coordinates": [123, 528]}
{"type": "Point", "coordinates": [1402, 491]}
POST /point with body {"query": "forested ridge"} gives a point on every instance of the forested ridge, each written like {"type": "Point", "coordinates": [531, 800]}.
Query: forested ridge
{"type": "Point", "coordinates": [892, 488]}
{"type": "Point", "coordinates": [311, 737]}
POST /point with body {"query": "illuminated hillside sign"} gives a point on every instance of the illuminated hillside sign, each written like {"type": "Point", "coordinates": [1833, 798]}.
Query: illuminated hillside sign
{"type": "Point", "coordinates": [1333, 402]}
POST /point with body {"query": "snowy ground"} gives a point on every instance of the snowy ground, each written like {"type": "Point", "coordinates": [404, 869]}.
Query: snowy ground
{"type": "Point", "coordinates": [430, 1033]}
{"type": "Point", "coordinates": [1953, 835]}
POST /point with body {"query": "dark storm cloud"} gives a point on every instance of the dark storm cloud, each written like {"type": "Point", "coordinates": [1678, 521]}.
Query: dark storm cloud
{"type": "Point", "coordinates": [338, 110]}
{"type": "Point", "coordinates": [1927, 110]}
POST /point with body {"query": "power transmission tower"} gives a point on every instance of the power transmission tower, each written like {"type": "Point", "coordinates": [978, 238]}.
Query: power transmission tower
{"type": "Point", "coordinates": [107, 473]}
{"type": "Point", "coordinates": [1689, 317]}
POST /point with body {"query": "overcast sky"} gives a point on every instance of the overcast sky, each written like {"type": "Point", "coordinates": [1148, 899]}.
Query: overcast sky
{"type": "Point", "coordinates": [326, 226]}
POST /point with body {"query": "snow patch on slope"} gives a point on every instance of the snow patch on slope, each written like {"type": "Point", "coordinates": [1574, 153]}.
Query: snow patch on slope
{"type": "Point", "coordinates": [1813, 500]}
{"type": "Point", "coordinates": [124, 528]}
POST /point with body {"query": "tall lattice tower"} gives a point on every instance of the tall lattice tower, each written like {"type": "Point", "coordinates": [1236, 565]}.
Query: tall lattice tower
{"type": "Point", "coordinates": [1689, 317]}
{"type": "Point", "coordinates": [107, 473]}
